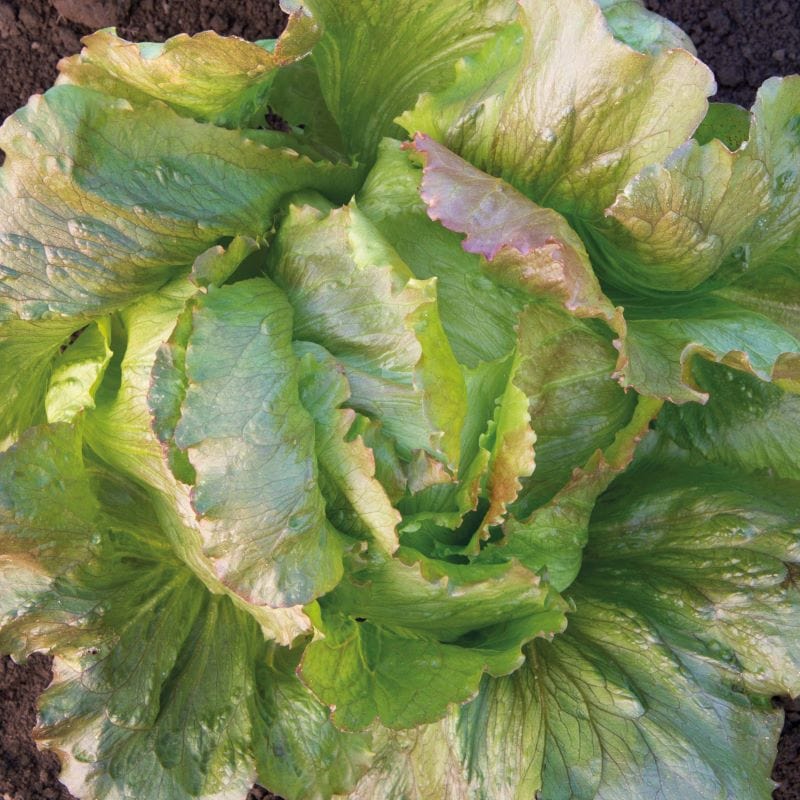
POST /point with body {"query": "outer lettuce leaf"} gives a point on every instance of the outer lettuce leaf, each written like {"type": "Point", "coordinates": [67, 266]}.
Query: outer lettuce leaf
{"type": "Point", "coordinates": [373, 63]}
{"type": "Point", "coordinates": [80, 237]}
{"type": "Point", "coordinates": [417, 764]}
{"type": "Point", "coordinates": [113, 234]}
{"type": "Point", "coordinates": [305, 755]}
{"type": "Point", "coordinates": [119, 430]}
{"type": "Point", "coordinates": [209, 717]}
{"type": "Point", "coordinates": [663, 341]}
{"type": "Point", "coordinates": [708, 209]}
{"type": "Point", "coordinates": [46, 506]}
{"type": "Point", "coordinates": [352, 294]}
{"type": "Point", "coordinates": [251, 443]}
{"type": "Point", "coordinates": [681, 220]}
{"type": "Point", "coordinates": [773, 291]}
{"type": "Point", "coordinates": [730, 540]}
{"type": "Point", "coordinates": [697, 222]}
{"type": "Point", "coordinates": [746, 423]}
{"type": "Point", "coordinates": [405, 638]}
{"type": "Point", "coordinates": [162, 689]}
{"type": "Point", "coordinates": [685, 624]}
{"type": "Point", "coordinates": [643, 30]}
{"type": "Point", "coordinates": [724, 121]}
{"type": "Point", "coordinates": [591, 111]}
{"type": "Point", "coordinates": [210, 78]}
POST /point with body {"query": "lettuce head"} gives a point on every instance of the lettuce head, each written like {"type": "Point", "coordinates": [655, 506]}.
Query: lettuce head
{"type": "Point", "coordinates": [442, 445]}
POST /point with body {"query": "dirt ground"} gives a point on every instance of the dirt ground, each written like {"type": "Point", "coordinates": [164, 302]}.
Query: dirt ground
{"type": "Point", "coordinates": [744, 41]}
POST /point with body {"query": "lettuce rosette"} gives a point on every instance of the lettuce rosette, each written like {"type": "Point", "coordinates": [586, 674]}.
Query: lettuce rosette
{"type": "Point", "coordinates": [442, 444]}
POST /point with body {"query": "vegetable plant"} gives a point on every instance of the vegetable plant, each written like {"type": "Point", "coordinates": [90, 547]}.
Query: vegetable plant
{"type": "Point", "coordinates": [440, 442]}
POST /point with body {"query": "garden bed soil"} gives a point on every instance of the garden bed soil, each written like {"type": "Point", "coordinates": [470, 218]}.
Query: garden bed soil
{"type": "Point", "coordinates": [744, 41]}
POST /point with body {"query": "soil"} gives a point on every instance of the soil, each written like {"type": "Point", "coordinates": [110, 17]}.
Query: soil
{"type": "Point", "coordinates": [787, 764]}
{"type": "Point", "coordinates": [35, 34]}
{"type": "Point", "coordinates": [27, 773]}
{"type": "Point", "coordinates": [744, 41]}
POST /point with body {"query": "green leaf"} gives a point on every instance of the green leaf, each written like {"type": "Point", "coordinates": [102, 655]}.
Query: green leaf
{"type": "Point", "coordinates": [163, 703]}
{"type": "Point", "coordinates": [576, 407]}
{"type": "Point", "coordinates": [685, 624]}
{"type": "Point", "coordinates": [680, 221]}
{"type": "Point", "coordinates": [664, 340]}
{"type": "Point", "coordinates": [722, 550]}
{"type": "Point", "coordinates": [415, 764]}
{"type": "Point", "coordinates": [367, 672]}
{"type": "Point", "coordinates": [46, 504]}
{"type": "Point", "coordinates": [86, 236]}
{"type": "Point", "coordinates": [352, 294]}
{"type": "Point", "coordinates": [347, 465]}
{"type": "Point", "coordinates": [525, 247]}
{"type": "Point", "coordinates": [162, 689]}
{"type": "Point", "coordinates": [118, 428]}
{"type": "Point", "coordinates": [497, 441]}
{"type": "Point", "coordinates": [202, 667]}
{"type": "Point", "coordinates": [27, 351]}
{"type": "Point", "coordinates": [373, 63]}
{"type": "Point", "coordinates": [724, 121]}
{"type": "Point", "coordinates": [486, 385]}
{"type": "Point", "coordinates": [403, 640]}
{"type": "Point", "coordinates": [166, 392]}
{"type": "Point", "coordinates": [267, 537]}
{"type": "Point", "coordinates": [390, 198]}
{"type": "Point", "coordinates": [552, 537]}
{"type": "Point", "coordinates": [296, 96]}
{"type": "Point", "coordinates": [80, 237]}
{"type": "Point", "coordinates": [437, 598]}
{"type": "Point", "coordinates": [511, 454]}
{"type": "Point", "coordinates": [218, 263]}
{"type": "Point", "coordinates": [773, 291]}
{"type": "Point", "coordinates": [219, 79]}
{"type": "Point", "coordinates": [119, 431]}
{"type": "Point", "coordinates": [77, 372]}
{"type": "Point", "coordinates": [746, 423]}
{"type": "Point", "coordinates": [707, 209]}
{"type": "Point", "coordinates": [305, 755]}
{"type": "Point", "coordinates": [642, 29]}
{"type": "Point", "coordinates": [591, 111]}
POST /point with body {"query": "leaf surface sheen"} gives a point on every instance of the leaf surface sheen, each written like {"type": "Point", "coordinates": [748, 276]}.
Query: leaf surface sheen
{"type": "Point", "coordinates": [353, 295]}
{"type": "Point", "coordinates": [590, 110]}
{"type": "Point", "coordinates": [224, 80]}
{"type": "Point", "coordinates": [370, 71]}
{"type": "Point", "coordinates": [251, 443]}
{"type": "Point", "coordinates": [277, 509]}
{"type": "Point", "coordinates": [683, 628]}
